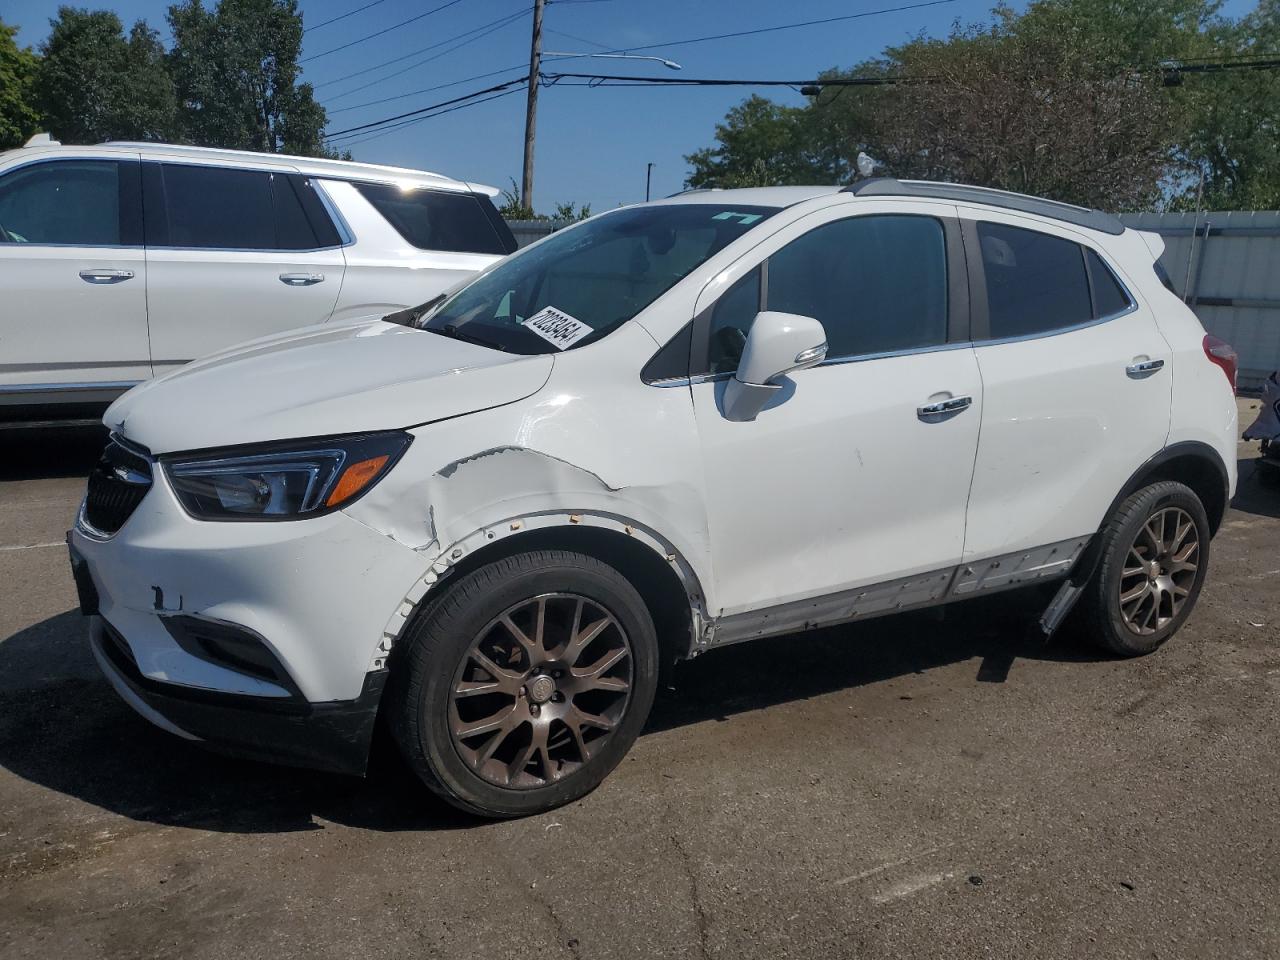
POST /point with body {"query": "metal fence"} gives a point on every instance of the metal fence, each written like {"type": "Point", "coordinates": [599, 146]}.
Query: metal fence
{"type": "Point", "coordinates": [1226, 266]}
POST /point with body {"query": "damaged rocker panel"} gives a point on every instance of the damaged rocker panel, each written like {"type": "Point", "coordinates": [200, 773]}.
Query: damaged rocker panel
{"type": "Point", "coordinates": [907, 593]}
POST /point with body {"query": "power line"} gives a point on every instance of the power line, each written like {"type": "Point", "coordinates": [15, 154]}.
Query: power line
{"type": "Point", "coordinates": [590, 43]}
{"type": "Point", "coordinates": [394, 26]}
{"type": "Point", "coordinates": [413, 113]}
{"type": "Point", "coordinates": [784, 26]}
{"type": "Point", "coordinates": [343, 16]}
{"type": "Point", "coordinates": [418, 63]}
{"type": "Point", "coordinates": [412, 53]}
{"type": "Point", "coordinates": [438, 86]}
{"type": "Point", "coordinates": [408, 123]}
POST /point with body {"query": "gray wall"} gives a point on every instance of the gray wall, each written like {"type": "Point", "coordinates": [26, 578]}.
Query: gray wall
{"type": "Point", "coordinates": [527, 231]}
{"type": "Point", "coordinates": [1233, 280]}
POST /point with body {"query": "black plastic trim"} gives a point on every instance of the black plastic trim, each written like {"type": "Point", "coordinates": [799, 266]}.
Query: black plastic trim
{"type": "Point", "coordinates": [333, 735]}
{"type": "Point", "coordinates": [214, 641]}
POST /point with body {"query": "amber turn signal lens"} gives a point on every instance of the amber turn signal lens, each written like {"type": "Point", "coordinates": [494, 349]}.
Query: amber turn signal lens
{"type": "Point", "coordinates": [354, 479]}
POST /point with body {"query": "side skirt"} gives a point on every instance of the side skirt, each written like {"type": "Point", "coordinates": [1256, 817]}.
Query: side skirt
{"type": "Point", "coordinates": [1004, 572]}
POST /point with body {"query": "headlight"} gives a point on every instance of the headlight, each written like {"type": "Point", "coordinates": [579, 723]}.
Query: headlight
{"type": "Point", "coordinates": [283, 481]}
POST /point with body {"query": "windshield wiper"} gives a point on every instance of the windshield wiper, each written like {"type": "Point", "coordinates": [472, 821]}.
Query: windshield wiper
{"type": "Point", "coordinates": [451, 330]}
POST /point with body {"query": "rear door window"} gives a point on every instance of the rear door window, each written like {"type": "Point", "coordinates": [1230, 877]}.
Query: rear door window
{"type": "Point", "coordinates": [446, 221]}
{"type": "Point", "coordinates": [1036, 283]}
{"type": "Point", "coordinates": [65, 202]}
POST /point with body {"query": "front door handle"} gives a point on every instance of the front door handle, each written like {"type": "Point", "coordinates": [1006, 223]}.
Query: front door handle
{"type": "Point", "coordinates": [301, 279]}
{"type": "Point", "coordinates": [1141, 367]}
{"type": "Point", "coordinates": [106, 276]}
{"type": "Point", "coordinates": [952, 405]}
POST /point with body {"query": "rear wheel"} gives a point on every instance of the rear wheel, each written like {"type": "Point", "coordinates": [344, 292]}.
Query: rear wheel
{"type": "Point", "coordinates": [524, 685]}
{"type": "Point", "coordinates": [1155, 553]}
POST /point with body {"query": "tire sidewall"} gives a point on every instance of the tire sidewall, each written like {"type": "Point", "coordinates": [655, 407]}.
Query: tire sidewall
{"type": "Point", "coordinates": [1156, 497]}
{"type": "Point", "coordinates": [452, 637]}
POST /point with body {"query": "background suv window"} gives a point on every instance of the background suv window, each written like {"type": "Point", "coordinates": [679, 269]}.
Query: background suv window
{"type": "Point", "coordinates": [878, 284]}
{"type": "Point", "coordinates": [231, 209]}
{"type": "Point", "coordinates": [1036, 283]}
{"type": "Point", "coordinates": [438, 220]}
{"type": "Point", "coordinates": [74, 202]}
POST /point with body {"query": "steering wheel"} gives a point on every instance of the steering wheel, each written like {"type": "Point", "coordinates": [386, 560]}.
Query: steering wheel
{"type": "Point", "coordinates": [730, 342]}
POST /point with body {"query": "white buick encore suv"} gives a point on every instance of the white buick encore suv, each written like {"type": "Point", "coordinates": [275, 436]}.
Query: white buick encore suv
{"type": "Point", "coordinates": [124, 260]}
{"type": "Point", "coordinates": [675, 426]}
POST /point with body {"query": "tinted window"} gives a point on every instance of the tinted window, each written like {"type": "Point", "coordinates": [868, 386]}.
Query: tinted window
{"type": "Point", "coordinates": [877, 284]}
{"type": "Point", "coordinates": [67, 201]}
{"type": "Point", "coordinates": [293, 229]}
{"type": "Point", "coordinates": [594, 276]}
{"type": "Point", "coordinates": [1109, 298]}
{"type": "Point", "coordinates": [1036, 283]}
{"type": "Point", "coordinates": [436, 220]}
{"type": "Point", "coordinates": [218, 207]}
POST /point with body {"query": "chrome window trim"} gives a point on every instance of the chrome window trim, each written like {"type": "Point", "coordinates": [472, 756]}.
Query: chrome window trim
{"type": "Point", "coordinates": [1058, 331]}
{"type": "Point", "coordinates": [114, 158]}
{"type": "Point", "coordinates": [907, 352]}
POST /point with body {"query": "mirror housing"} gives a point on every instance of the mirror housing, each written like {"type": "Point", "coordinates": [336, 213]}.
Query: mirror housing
{"type": "Point", "coordinates": [778, 344]}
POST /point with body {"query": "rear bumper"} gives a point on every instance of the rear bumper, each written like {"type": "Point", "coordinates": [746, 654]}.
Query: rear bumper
{"type": "Point", "coordinates": [333, 736]}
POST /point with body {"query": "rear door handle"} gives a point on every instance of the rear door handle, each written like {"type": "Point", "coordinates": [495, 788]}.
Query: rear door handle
{"type": "Point", "coordinates": [106, 276]}
{"type": "Point", "coordinates": [1143, 366]}
{"type": "Point", "coordinates": [953, 405]}
{"type": "Point", "coordinates": [301, 279]}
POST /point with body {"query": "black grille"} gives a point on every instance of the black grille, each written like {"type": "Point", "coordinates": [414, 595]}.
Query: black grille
{"type": "Point", "coordinates": [117, 485]}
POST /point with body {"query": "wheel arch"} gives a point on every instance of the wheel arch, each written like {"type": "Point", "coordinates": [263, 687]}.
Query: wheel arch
{"type": "Point", "coordinates": [668, 585]}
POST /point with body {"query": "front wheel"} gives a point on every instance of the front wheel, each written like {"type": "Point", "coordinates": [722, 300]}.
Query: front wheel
{"type": "Point", "coordinates": [1155, 554]}
{"type": "Point", "coordinates": [525, 684]}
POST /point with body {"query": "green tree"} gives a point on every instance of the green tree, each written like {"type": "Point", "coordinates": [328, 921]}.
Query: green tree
{"type": "Point", "coordinates": [19, 117]}
{"type": "Point", "coordinates": [236, 71]}
{"type": "Point", "coordinates": [94, 84]}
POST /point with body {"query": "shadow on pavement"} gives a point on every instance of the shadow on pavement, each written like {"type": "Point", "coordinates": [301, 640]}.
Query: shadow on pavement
{"type": "Point", "coordinates": [39, 454]}
{"type": "Point", "coordinates": [62, 727]}
{"type": "Point", "coordinates": [1252, 496]}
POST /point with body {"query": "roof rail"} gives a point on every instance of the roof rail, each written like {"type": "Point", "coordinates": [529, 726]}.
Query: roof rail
{"type": "Point", "coordinates": [1068, 213]}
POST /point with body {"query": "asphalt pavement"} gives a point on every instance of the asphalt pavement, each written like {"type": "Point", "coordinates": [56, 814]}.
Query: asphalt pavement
{"type": "Point", "coordinates": [911, 787]}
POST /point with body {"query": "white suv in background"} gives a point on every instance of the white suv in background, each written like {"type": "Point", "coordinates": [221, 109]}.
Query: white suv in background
{"type": "Point", "coordinates": [124, 260]}
{"type": "Point", "coordinates": [672, 427]}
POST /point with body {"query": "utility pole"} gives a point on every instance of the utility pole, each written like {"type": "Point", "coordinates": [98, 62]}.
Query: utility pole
{"type": "Point", "coordinates": [648, 176]}
{"type": "Point", "coordinates": [531, 110]}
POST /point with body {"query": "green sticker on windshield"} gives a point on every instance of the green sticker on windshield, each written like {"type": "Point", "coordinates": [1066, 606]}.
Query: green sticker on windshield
{"type": "Point", "coordinates": [746, 219]}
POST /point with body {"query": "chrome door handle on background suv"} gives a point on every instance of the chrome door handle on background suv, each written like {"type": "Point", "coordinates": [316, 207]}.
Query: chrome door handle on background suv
{"type": "Point", "coordinates": [105, 276]}
{"type": "Point", "coordinates": [953, 405]}
{"type": "Point", "coordinates": [301, 279]}
{"type": "Point", "coordinates": [1140, 367]}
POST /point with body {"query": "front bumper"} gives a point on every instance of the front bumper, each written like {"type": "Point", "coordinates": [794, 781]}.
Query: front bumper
{"type": "Point", "coordinates": [331, 736]}
{"type": "Point", "coordinates": [309, 603]}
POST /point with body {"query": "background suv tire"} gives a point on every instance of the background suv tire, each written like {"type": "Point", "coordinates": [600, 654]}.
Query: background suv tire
{"type": "Point", "coordinates": [525, 683]}
{"type": "Point", "coordinates": [1155, 554]}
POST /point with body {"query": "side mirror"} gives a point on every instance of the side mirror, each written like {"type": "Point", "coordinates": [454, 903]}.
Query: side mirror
{"type": "Point", "coordinates": [778, 344]}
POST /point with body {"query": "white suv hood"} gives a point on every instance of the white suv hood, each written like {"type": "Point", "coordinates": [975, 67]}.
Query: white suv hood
{"type": "Point", "coordinates": [319, 381]}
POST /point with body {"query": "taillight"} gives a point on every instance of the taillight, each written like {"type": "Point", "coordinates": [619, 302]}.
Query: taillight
{"type": "Point", "coordinates": [1224, 355]}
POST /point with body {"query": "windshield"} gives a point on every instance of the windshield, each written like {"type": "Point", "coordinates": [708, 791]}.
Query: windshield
{"type": "Point", "coordinates": [579, 285]}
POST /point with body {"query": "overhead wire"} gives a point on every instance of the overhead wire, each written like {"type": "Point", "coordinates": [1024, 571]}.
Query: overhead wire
{"type": "Point", "coordinates": [379, 33]}
{"type": "Point", "coordinates": [352, 13]}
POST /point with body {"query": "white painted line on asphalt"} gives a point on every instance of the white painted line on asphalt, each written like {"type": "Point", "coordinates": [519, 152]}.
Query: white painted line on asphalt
{"type": "Point", "coordinates": [35, 546]}
{"type": "Point", "coordinates": [904, 888]}
{"type": "Point", "coordinates": [889, 866]}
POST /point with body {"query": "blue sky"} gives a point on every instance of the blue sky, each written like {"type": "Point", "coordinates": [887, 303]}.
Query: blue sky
{"type": "Point", "coordinates": [593, 144]}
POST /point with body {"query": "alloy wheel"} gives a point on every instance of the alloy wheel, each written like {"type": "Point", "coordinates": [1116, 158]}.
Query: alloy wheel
{"type": "Point", "coordinates": [1159, 570]}
{"type": "Point", "coordinates": [540, 690]}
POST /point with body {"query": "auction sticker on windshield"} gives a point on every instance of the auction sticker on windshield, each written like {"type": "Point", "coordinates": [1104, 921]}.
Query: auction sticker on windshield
{"type": "Point", "coordinates": [557, 328]}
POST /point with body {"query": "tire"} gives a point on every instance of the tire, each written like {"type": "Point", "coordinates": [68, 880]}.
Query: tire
{"type": "Point", "coordinates": [1141, 624]}
{"type": "Point", "coordinates": [548, 745]}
